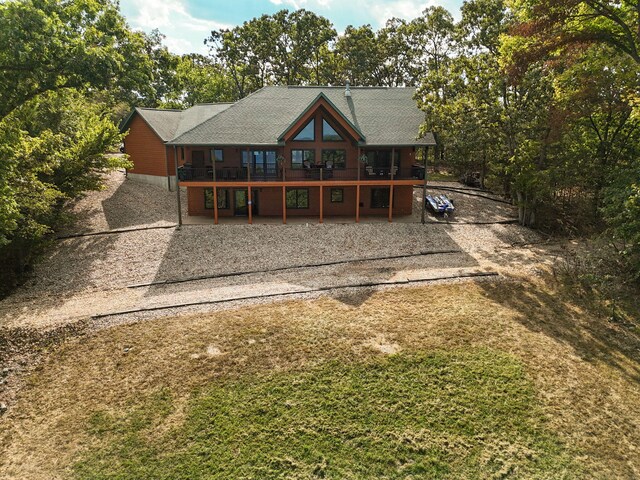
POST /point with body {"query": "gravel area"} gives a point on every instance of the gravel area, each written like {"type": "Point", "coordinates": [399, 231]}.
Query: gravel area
{"type": "Point", "coordinates": [124, 203]}
{"type": "Point", "coordinates": [89, 275]}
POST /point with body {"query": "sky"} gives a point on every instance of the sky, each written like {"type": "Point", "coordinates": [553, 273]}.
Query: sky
{"type": "Point", "coordinates": [186, 23]}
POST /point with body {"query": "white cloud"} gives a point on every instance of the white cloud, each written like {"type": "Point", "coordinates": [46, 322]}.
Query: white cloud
{"type": "Point", "coordinates": [405, 9]}
{"type": "Point", "coordinates": [184, 32]}
{"type": "Point", "coordinates": [308, 4]}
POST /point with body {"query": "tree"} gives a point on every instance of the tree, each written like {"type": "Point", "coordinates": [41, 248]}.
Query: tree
{"type": "Point", "coordinates": [198, 80]}
{"type": "Point", "coordinates": [46, 45]}
{"type": "Point", "coordinates": [286, 48]}
{"type": "Point", "coordinates": [550, 29]}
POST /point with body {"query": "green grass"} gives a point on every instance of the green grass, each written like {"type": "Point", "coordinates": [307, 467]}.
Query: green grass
{"type": "Point", "coordinates": [457, 414]}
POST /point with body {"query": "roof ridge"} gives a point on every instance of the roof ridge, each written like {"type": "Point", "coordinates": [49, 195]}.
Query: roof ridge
{"type": "Point", "coordinates": [160, 109]}
{"type": "Point", "coordinates": [205, 121]}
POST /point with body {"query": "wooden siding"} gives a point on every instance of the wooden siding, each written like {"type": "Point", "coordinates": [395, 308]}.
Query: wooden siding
{"type": "Point", "coordinates": [270, 202]}
{"type": "Point", "coordinates": [145, 149]}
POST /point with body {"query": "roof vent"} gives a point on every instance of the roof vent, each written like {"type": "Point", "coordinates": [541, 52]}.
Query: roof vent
{"type": "Point", "coordinates": [347, 90]}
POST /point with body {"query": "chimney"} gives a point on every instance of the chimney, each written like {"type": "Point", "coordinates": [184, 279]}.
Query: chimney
{"type": "Point", "coordinates": [347, 90]}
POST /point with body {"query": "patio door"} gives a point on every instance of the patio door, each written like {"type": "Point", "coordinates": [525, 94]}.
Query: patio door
{"type": "Point", "coordinates": [241, 202]}
{"type": "Point", "coordinates": [240, 199]}
{"type": "Point", "coordinates": [263, 163]}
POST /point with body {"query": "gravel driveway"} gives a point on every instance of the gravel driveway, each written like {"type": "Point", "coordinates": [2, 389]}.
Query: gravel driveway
{"type": "Point", "coordinates": [90, 275]}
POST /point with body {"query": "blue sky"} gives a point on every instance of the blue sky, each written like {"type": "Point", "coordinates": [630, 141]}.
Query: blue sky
{"type": "Point", "coordinates": [187, 22]}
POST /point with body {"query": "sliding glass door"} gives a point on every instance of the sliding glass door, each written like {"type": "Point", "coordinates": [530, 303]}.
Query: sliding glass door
{"type": "Point", "coordinates": [263, 162]}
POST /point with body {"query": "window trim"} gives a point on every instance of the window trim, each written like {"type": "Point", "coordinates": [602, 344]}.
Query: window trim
{"type": "Point", "coordinates": [297, 207]}
{"type": "Point", "coordinates": [313, 160]}
{"type": "Point", "coordinates": [324, 162]}
{"type": "Point", "coordinates": [341, 190]}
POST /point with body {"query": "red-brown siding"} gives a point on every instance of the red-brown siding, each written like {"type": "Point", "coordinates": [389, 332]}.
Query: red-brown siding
{"type": "Point", "coordinates": [146, 150]}
{"type": "Point", "coordinates": [270, 202]}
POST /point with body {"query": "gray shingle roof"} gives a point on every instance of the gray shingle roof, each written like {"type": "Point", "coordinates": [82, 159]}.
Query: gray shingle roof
{"type": "Point", "coordinates": [170, 123]}
{"type": "Point", "coordinates": [385, 116]}
{"type": "Point", "coordinates": [163, 122]}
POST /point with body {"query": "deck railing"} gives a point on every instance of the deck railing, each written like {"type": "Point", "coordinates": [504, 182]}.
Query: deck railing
{"type": "Point", "coordinates": [237, 174]}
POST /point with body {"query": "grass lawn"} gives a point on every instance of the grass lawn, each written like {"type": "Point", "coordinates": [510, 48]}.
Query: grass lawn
{"type": "Point", "coordinates": [486, 380]}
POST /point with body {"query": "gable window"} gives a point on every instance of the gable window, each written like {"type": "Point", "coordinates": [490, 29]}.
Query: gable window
{"type": "Point", "coordinates": [334, 158]}
{"type": "Point", "coordinates": [297, 198]}
{"type": "Point", "coordinates": [329, 133]}
{"type": "Point", "coordinates": [217, 155]}
{"type": "Point", "coordinates": [223, 198]}
{"type": "Point", "coordinates": [308, 133]}
{"type": "Point", "coordinates": [299, 157]}
{"type": "Point", "coordinates": [380, 198]}
{"type": "Point", "coordinates": [337, 195]}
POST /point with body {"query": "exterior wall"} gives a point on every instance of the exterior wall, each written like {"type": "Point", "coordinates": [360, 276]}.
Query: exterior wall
{"type": "Point", "coordinates": [153, 180]}
{"type": "Point", "coordinates": [270, 202]}
{"type": "Point", "coordinates": [146, 150]}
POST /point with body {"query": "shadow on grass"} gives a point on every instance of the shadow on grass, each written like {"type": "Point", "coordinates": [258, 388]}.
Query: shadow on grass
{"type": "Point", "coordinates": [562, 314]}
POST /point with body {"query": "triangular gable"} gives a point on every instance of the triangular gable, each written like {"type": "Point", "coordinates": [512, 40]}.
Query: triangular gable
{"type": "Point", "coordinates": [322, 101]}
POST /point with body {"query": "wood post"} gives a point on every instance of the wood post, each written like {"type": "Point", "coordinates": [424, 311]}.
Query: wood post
{"type": "Point", "coordinates": [215, 205]}
{"type": "Point", "coordinates": [358, 163]}
{"type": "Point", "coordinates": [249, 204]}
{"type": "Point", "coordinates": [425, 154]}
{"type": "Point", "coordinates": [393, 162]}
{"type": "Point", "coordinates": [284, 204]}
{"type": "Point", "coordinates": [358, 203]}
{"type": "Point", "coordinates": [249, 201]}
{"type": "Point", "coordinates": [321, 202]}
{"type": "Point", "coordinates": [175, 158]}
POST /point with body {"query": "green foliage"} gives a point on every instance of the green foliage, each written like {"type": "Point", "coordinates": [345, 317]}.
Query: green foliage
{"type": "Point", "coordinates": [460, 414]}
{"type": "Point", "coordinates": [50, 45]}
{"type": "Point", "coordinates": [198, 80]}
{"type": "Point", "coordinates": [621, 209]}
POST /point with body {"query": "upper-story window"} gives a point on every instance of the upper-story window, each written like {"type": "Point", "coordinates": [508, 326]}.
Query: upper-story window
{"type": "Point", "coordinates": [299, 157]}
{"type": "Point", "coordinates": [334, 158]}
{"type": "Point", "coordinates": [308, 133]}
{"type": "Point", "coordinates": [329, 133]}
{"type": "Point", "coordinates": [217, 155]}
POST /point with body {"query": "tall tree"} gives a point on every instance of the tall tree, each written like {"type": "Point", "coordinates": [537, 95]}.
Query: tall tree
{"type": "Point", "coordinates": [48, 45]}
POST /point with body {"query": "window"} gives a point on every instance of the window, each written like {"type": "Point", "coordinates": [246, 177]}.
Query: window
{"type": "Point", "coordinates": [329, 134]}
{"type": "Point", "coordinates": [379, 198]}
{"type": "Point", "coordinates": [208, 198]}
{"type": "Point", "coordinates": [307, 134]}
{"type": "Point", "coordinates": [298, 157]}
{"type": "Point", "coordinates": [297, 198]}
{"type": "Point", "coordinates": [334, 158]}
{"type": "Point", "coordinates": [217, 155]}
{"type": "Point", "coordinates": [382, 158]}
{"type": "Point", "coordinates": [263, 162]}
{"type": "Point", "coordinates": [223, 198]}
{"type": "Point", "coordinates": [337, 195]}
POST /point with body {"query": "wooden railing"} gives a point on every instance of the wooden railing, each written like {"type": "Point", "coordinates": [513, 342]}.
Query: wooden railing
{"type": "Point", "coordinates": [187, 173]}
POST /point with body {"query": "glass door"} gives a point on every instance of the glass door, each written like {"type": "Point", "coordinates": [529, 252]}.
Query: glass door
{"type": "Point", "coordinates": [240, 203]}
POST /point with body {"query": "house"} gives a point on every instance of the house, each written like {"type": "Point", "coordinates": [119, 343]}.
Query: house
{"type": "Point", "coordinates": [286, 151]}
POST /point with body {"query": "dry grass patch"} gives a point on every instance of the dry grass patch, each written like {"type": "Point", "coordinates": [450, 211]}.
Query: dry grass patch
{"type": "Point", "coordinates": [582, 372]}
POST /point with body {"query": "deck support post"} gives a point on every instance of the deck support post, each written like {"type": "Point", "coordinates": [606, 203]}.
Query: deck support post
{"type": "Point", "coordinates": [215, 205]}
{"type": "Point", "coordinates": [175, 161]}
{"type": "Point", "coordinates": [358, 203]}
{"type": "Point", "coordinates": [249, 200]}
{"type": "Point", "coordinates": [425, 155]}
{"type": "Point", "coordinates": [284, 204]}
{"type": "Point", "coordinates": [321, 202]}
{"type": "Point", "coordinates": [393, 162]}
{"type": "Point", "coordinates": [249, 204]}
